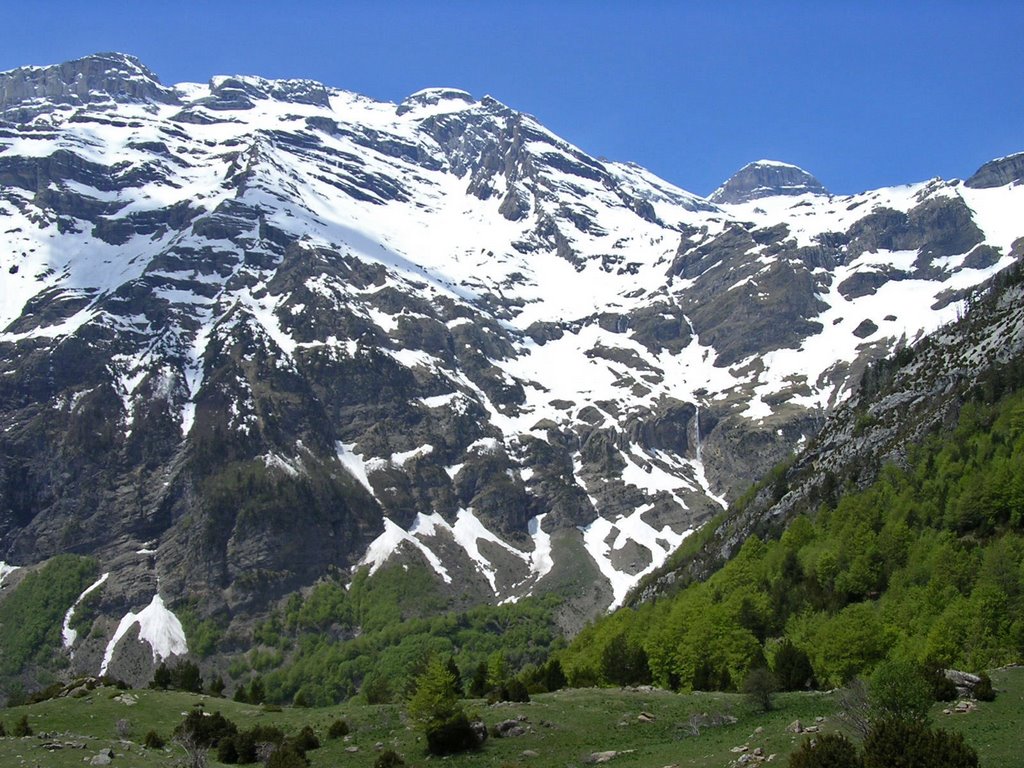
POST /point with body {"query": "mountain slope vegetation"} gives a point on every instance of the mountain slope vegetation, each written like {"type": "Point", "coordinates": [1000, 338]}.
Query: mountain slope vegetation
{"type": "Point", "coordinates": [919, 557]}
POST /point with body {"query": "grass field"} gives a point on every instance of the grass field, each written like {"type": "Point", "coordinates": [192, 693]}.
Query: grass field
{"type": "Point", "coordinates": [563, 729]}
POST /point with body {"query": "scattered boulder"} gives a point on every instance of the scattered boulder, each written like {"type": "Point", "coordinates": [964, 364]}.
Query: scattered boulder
{"type": "Point", "coordinates": [964, 681]}
{"type": "Point", "coordinates": [646, 717]}
{"type": "Point", "coordinates": [595, 758]}
{"type": "Point", "coordinates": [508, 729]}
{"type": "Point", "coordinates": [795, 727]}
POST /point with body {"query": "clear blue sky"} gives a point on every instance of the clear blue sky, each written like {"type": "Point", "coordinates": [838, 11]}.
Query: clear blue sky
{"type": "Point", "coordinates": [862, 94]}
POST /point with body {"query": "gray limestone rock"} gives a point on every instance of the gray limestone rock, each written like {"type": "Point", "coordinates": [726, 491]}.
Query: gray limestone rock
{"type": "Point", "coordinates": [766, 178]}
{"type": "Point", "coordinates": [999, 173]}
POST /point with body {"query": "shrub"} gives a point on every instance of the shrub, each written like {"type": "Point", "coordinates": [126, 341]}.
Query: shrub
{"type": "Point", "coordinates": [338, 729]}
{"type": "Point", "coordinates": [760, 685]}
{"type": "Point", "coordinates": [22, 728]}
{"type": "Point", "coordinates": [205, 730]}
{"type": "Point", "coordinates": [257, 693]}
{"type": "Point", "coordinates": [456, 734]}
{"type": "Point", "coordinates": [305, 740]}
{"type": "Point", "coordinates": [153, 740]}
{"type": "Point", "coordinates": [227, 751]}
{"type": "Point", "coordinates": [389, 759]}
{"type": "Point", "coordinates": [285, 756]}
{"type": "Point", "coordinates": [984, 691]}
{"type": "Point", "coordinates": [216, 686]}
{"type": "Point", "coordinates": [827, 750]}
{"type": "Point", "coordinates": [900, 691]}
{"type": "Point", "coordinates": [3, 730]}
{"type": "Point", "coordinates": [793, 668]}
{"type": "Point", "coordinates": [895, 743]}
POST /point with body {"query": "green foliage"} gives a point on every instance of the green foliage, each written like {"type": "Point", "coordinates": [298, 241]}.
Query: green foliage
{"type": "Point", "coordinates": [760, 686]}
{"type": "Point", "coordinates": [984, 691]}
{"type": "Point", "coordinates": [792, 668]}
{"type": "Point", "coordinates": [435, 707]}
{"type": "Point", "coordinates": [286, 756]}
{"type": "Point", "coordinates": [203, 634]}
{"type": "Point", "coordinates": [435, 699]}
{"type": "Point", "coordinates": [826, 750]}
{"type": "Point", "coordinates": [205, 730]}
{"type": "Point", "coordinates": [32, 615]}
{"type": "Point", "coordinates": [907, 744]}
{"type": "Point", "coordinates": [924, 564]}
{"type": "Point", "coordinates": [624, 663]}
{"type": "Point", "coordinates": [450, 736]}
{"type": "Point", "coordinates": [22, 728]}
{"type": "Point", "coordinates": [330, 661]}
{"type": "Point", "coordinates": [900, 691]}
{"type": "Point", "coordinates": [184, 676]}
{"type": "Point", "coordinates": [338, 729]}
{"type": "Point", "coordinates": [389, 759]}
{"type": "Point", "coordinates": [153, 740]}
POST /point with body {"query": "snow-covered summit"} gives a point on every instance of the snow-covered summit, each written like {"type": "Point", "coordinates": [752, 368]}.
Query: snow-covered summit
{"type": "Point", "coordinates": [99, 77]}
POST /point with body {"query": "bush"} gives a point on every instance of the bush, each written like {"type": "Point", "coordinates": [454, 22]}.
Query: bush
{"type": "Point", "coordinates": [895, 743]}
{"type": "Point", "coordinates": [153, 740]}
{"type": "Point", "coordinates": [305, 740]}
{"type": "Point", "coordinates": [827, 750]}
{"type": "Point", "coordinates": [984, 691]}
{"type": "Point", "coordinates": [337, 730]}
{"type": "Point", "coordinates": [205, 730]}
{"type": "Point", "coordinates": [286, 756]}
{"type": "Point", "coordinates": [793, 668]}
{"type": "Point", "coordinates": [227, 751]}
{"type": "Point", "coordinates": [22, 728]}
{"type": "Point", "coordinates": [900, 691]}
{"type": "Point", "coordinates": [760, 685]}
{"type": "Point", "coordinates": [389, 759]}
{"type": "Point", "coordinates": [451, 736]}
{"type": "Point", "coordinates": [3, 730]}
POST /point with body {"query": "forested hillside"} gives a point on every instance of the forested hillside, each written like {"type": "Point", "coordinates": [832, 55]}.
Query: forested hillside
{"type": "Point", "coordinates": [918, 558]}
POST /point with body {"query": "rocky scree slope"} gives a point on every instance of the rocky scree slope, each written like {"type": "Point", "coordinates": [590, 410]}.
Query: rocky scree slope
{"type": "Point", "coordinates": [256, 331]}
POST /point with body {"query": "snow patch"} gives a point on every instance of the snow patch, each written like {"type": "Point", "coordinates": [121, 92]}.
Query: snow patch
{"type": "Point", "coordinates": [385, 545]}
{"type": "Point", "coordinates": [6, 570]}
{"type": "Point", "coordinates": [541, 561]}
{"type": "Point", "coordinates": [68, 634]}
{"type": "Point", "coordinates": [355, 464]}
{"type": "Point", "coordinates": [158, 626]}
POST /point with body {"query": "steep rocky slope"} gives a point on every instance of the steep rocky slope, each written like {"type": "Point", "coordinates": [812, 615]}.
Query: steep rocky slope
{"type": "Point", "coordinates": [258, 331]}
{"type": "Point", "coordinates": [916, 392]}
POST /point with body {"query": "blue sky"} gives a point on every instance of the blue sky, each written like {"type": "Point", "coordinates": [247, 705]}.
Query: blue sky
{"type": "Point", "coordinates": [862, 94]}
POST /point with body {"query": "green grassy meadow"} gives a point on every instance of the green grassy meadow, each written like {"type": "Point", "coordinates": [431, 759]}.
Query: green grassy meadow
{"type": "Point", "coordinates": [563, 728]}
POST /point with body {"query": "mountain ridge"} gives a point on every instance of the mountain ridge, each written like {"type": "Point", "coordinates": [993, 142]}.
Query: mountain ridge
{"type": "Point", "coordinates": [273, 330]}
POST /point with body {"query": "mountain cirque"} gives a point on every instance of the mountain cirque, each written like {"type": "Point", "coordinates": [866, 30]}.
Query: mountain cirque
{"type": "Point", "coordinates": [255, 332]}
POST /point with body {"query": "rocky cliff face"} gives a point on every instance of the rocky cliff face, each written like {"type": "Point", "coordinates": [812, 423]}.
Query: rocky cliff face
{"type": "Point", "coordinates": [256, 331]}
{"type": "Point", "coordinates": [767, 178]}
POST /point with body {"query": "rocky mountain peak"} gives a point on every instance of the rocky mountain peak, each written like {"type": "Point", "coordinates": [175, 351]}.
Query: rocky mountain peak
{"type": "Point", "coordinates": [766, 178]}
{"type": "Point", "coordinates": [999, 172]}
{"type": "Point", "coordinates": [99, 77]}
{"type": "Point", "coordinates": [435, 98]}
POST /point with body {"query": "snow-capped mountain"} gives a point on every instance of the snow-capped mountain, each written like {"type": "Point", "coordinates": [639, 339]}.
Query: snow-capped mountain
{"type": "Point", "coordinates": [254, 331]}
